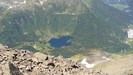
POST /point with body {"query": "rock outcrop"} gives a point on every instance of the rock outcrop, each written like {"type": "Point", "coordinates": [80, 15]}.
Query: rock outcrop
{"type": "Point", "coordinates": [24, 62]}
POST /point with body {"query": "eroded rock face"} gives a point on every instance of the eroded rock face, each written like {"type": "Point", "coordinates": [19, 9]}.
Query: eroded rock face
{"type": "Point", "coordinates": [23, 62]}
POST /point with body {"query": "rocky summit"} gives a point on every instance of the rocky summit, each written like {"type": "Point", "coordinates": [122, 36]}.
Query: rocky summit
{"type": "Point", "coordinates": [24, 62]}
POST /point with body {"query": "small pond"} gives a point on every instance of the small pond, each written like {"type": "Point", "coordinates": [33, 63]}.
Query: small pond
{"type": "Point", "coordinates": [60, 42]}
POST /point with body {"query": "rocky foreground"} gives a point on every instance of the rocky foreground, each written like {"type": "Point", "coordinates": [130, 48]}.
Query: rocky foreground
{"type": "Point", "coordinates": [24, 62]}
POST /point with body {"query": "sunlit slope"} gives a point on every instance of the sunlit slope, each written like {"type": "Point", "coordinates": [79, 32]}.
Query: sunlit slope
{"type": "Point", "coordinates": [119, 65]}
{"type": "Point", "coordinates": [91, 23]}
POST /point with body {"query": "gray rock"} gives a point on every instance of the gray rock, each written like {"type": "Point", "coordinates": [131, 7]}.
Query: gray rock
{"type": "Point", "coordinates": [14, 70]}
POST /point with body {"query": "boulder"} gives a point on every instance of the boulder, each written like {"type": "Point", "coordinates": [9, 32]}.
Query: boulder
{"type": "Point", "coordinates": [40, 56]}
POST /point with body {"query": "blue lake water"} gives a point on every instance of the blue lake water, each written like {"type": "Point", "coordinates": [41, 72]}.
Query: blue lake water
{"type": "Point", "coordinates": [59, 42]}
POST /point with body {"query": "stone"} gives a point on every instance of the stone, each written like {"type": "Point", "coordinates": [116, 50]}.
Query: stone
{"type": "Point", "coordinates": [28, 68]}
{"type": "Point", "coordinates": [21, 66]}
{"type": "Point", "coordinates": [40, 56]}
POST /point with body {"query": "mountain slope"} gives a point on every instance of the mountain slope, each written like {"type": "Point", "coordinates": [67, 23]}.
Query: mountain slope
{"type": "Point", "coordinates": [120, 65]}
{"type": "Point", "coordinates": [91, 23]}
